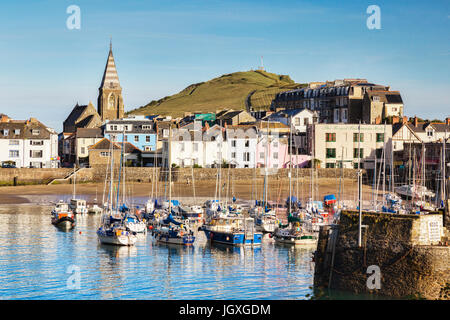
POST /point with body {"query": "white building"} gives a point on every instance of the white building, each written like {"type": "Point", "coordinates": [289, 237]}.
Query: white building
{"type": "Point", "coordinates": [241, 145]}
{"type": "Point", "coordinates": [336, 143]}
{"type": "Point", "coordinates": [28, 143]}
{"type": "Point", "coordinates": [300, 118]}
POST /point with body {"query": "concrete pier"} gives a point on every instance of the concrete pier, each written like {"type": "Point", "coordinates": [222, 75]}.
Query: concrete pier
{"type": "Point", "coordinates": [401, 256]}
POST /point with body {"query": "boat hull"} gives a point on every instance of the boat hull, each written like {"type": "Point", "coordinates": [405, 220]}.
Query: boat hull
{"type": "Point", "coordinates": [185, 240]}
{"type": "Point", "coordinates": [65, 223]}
{"type": "Point", "coordinates": [119, 240]}
{"type": "Point", "coordinates": [234, 238]}
{"type": "Point", "coordinates": [293, 241]}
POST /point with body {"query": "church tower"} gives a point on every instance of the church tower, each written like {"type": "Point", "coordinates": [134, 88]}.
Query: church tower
{"type": "Point", "coordinates": [110, 102]}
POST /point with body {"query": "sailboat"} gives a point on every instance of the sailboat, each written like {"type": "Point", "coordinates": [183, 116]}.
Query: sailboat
{"type": "Point", "coordinates": [113, 229]}
{"type": "Point", "coordinates": [265, 217]}
{"type": "Point", "coordinates": [296, 231]}
{"type": "Point", "coordinates": [166, 228]}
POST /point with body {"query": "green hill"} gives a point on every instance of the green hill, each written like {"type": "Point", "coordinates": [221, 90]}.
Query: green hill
{"type": "Point", "coordinates": [230, 91]}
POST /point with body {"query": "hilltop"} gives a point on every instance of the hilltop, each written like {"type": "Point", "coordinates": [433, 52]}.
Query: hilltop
{"type": "Point", "coordinates": [236, 91]}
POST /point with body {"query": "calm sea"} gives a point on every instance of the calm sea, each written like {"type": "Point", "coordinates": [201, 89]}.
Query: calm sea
{"type": "Point", "coordinates": [38, 261]}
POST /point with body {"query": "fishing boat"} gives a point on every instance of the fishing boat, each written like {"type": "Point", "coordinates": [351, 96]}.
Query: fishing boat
{"type": "Point", "coordinates": [235, 231]}
{"type": "Point", "coordinates": [62, 216]}
{"type": "Point", "coordinates": [193, 213]}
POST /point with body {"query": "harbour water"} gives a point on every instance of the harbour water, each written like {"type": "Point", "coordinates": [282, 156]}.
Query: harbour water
{"type": "Point", "coordinates": [38, 261]}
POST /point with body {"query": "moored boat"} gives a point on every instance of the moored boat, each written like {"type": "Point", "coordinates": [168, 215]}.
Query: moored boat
{"type": "Point", "coordinates": [62, 216]}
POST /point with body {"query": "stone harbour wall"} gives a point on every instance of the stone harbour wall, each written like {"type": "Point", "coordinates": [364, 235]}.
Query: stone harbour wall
{"type": "Point", "coordinates": [146, 174]}
{"type": "Point", "coordinates": [411, 261]}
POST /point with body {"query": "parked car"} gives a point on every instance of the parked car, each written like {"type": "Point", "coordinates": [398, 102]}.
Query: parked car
{"type": "Point", "coordinates": [8, 165]}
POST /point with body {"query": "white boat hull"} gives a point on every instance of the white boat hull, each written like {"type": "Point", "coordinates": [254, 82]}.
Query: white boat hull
{"type": "Point", "coordinates": [122, 240]}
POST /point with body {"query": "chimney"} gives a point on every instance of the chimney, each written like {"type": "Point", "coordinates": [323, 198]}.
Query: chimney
{"type": "Point", "coordinates": [395, 119]}
{"type": "Point", "coordinates": [416, 123]}
{"type": "Point", "coordinates": [447, 121]}
{"type": "Point", "coordinates": [4, 118]}
{"type": "Point", "coordinates": [405, 120]}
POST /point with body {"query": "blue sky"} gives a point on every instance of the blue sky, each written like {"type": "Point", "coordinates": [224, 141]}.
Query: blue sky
{"type": "Point", "coordinates": [161, 47]}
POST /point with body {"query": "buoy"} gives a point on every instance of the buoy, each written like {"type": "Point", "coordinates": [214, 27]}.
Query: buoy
{"type": "Point", "coordinates": [80, 232]}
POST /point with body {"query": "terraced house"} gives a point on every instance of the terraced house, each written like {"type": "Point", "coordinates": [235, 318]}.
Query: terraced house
{"type": "Point", "coordinates": [28, 143]}
{"type": "Point", "coordinates": [136, 130]}
{"type": "Point", "coordinates": [343, 101]}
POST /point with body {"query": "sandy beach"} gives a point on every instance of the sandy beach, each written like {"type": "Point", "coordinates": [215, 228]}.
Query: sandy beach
{"type": "Point", "coordinates": [277, 191]}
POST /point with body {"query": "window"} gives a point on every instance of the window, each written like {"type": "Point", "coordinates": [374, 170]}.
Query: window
{"type": "Point", "coordinates": [246, 156]}
{"type": "Point", "coordinates": [35, 153]}
{"type": "Point", "coordinates": [165, 133]}
{"type": "Point", "coordinates": [13, 142]}
{"type": "Point", "coordinates": [136, 138]}
{"type": "Point", "coordinates": [195, 147]}
{"type": "Point", "coordinates": [275, 155]}
{"type": "Point", "coordinates": [330, 137]}
{"type": "Point", "coordinates": [306, 121]}
{"type": "Point", "coordinates": [17, 131]}
{"type": "Point", "coordinates": [361, 137]}
{"type": "Point", "coordinates": [147, 138]}
{"type": "Point", "coordinates": [379, 152]}
{"type": "Point", "coordinates": [331, 153]}
{"type": "Point", "coordinates": [247, 143]}
{"type": "Point", "coordinates": [233, 143]}
{"type": "Point", "coordinates": [13, 153]}
{"type": "Point", "coordinates": [5, 132]}
{"type": "Point", "coordinates": [330, 165]}
{"type": "Point", "coordinates": [105, 154]}
{"type": "Point", "coordinates": [430, 133]}
{"type": "Point", "coordinates": [261, 155]}
{"type": "Point", "coordinates": [275, 144]}
{"type": "Point", "coordinates": [36, 142]}
{"type": "Point", "coordinates": [83, 150]}
{"type": "Point", "coordinates": [146, 127]}
{"type": "Point", "coordinates": [147, 148]}
{"type": "Point", "coordinates": [297, 121]}
{"type": "Point", "coordinates": [361, 153]}
{"type": "Point", "coordinates": [376, 98]}
{"type": "Point", "coordinates": [380, 137]}
{"type": "Point", "coordinates": [233, 155]}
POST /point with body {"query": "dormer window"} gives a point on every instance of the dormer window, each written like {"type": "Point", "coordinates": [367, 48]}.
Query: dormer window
{"type": "Point", "coordinates": [376, 98]}
{"type": "Point", "coordinates": [5, 132]}
{"type": "Point", "coordinates": [17, 131]}
{"type": "Point", "coordinates": [35, 132]}
{"type": "Point", "coordinates": [430, 133]}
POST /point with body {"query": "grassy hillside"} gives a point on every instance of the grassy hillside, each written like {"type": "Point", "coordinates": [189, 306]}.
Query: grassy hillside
{"type": "Point", "coordinates": [230, 91]}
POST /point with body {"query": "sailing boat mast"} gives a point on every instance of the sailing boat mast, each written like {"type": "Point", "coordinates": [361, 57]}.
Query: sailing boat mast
{"type": "Point", "coordinates": [170, 168]}
{"type": "Point", "coordinates": [290, 167]}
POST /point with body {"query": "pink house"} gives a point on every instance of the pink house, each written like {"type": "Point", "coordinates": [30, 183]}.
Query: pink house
{"type": "Point", "coordinates": [277, 154]}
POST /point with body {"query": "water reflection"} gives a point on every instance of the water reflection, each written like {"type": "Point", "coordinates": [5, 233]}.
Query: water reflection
{"type": "Point", "coordinates": [35, 257]}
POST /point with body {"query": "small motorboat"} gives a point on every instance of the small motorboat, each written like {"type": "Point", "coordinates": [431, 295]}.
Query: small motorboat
{"type": "Point", "coordinates": [94, 209]}
{"type": "Point", "coordinates": [294, 235]}
{"type": "Point", "coordinates": [78, 206]}
{"type": "Point", "coordinates": [62, 216]}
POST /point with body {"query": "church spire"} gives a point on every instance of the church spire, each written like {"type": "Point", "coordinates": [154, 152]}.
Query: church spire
{"type": "Point", "coordinates": [110, 78]}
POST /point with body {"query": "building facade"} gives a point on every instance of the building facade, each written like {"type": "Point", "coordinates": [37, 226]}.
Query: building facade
{"type": "Point", "coordinates": [28, 144]}
{"type": "Point", "coordinates": [352, 145]}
